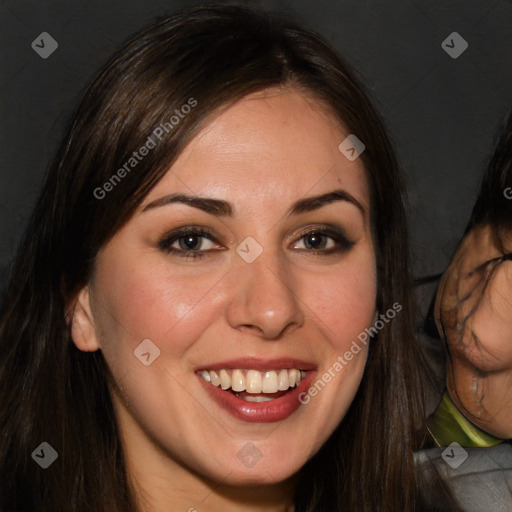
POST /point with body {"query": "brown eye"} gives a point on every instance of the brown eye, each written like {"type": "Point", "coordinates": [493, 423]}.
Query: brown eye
{"type": "Point", "coordinates": [324, 241]}
{"type": "Point", "coordinates": [316, 240]}
{"type": "Point", "coordinates": [189, 242]}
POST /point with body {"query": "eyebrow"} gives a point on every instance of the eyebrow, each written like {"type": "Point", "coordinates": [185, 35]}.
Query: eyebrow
{"type": "Point", "coordinates": [221, 208]}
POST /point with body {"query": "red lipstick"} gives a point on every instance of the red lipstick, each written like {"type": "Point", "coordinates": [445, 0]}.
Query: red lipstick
{"type": "Point", "coordinates": [278, 409]}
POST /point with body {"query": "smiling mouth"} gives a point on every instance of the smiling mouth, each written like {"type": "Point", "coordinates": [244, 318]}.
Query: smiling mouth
{"type": "Point", "coordinates": [254, 385]}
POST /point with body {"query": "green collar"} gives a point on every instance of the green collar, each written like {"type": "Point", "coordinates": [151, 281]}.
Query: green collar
{"type": "Point", "coordinates": [448, 424]}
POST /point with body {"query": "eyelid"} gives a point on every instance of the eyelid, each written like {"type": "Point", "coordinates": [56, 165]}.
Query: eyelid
{"type": "Point", "coordinates": [325, 229]}
{"type": "Point", "coordinates": [170, 238]}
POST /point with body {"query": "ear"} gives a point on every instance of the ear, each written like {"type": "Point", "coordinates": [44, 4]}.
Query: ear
{"type": "Point", "coordinates": [83, 331]}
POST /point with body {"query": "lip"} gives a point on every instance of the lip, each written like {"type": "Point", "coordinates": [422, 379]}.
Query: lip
{"type": "Point", "coordinates": [255, 363]}
{"type": "Point", "coordinates": [259, 412]}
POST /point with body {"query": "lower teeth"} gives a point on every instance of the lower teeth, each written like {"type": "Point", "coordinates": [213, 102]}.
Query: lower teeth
{"type": "Point", "coordinates": [255, 398]}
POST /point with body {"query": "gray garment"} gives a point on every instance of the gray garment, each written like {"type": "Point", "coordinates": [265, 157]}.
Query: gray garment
{"type": "Point", "coordinates": [481, 483]}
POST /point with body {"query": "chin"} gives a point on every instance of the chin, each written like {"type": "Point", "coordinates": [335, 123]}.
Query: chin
{"type": "Point", "coordinates": [264, 475]}
{"type": "Point", "coordinates": [261, 470]}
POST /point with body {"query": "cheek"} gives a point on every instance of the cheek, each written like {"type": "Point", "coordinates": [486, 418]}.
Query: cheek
{"type": "Point", "coordinates": [344, 301]}
{"type": "Point", "coordinates": [143, 300]}
{"type": "Point", "coordinates": [491, 323]}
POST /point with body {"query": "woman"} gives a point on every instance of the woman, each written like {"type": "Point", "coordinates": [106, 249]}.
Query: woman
{"type": "Point", "coordinates": [223, 222]}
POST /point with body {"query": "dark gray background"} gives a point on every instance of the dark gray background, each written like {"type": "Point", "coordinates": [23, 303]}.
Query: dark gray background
{"type": "Point", "coordinates": [442, 112]}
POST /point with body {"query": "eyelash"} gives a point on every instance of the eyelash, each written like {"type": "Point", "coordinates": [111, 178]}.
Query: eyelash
{"type": "Point", "coordinates": [165, 244]}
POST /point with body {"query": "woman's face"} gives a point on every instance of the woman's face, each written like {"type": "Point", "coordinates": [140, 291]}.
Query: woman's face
{"type": "Point", "coordinates": [278, 281]}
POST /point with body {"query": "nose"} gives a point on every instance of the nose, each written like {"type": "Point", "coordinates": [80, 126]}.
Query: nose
{"type": "Point", "coordinates": [264, 298]}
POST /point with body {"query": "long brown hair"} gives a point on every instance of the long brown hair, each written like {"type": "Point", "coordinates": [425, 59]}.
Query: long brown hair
{"type": "Point", "coordinates": [52, 392]}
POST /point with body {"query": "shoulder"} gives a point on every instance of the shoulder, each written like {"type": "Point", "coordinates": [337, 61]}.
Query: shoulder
{"type": "Point", "coordinates": [480, 478]}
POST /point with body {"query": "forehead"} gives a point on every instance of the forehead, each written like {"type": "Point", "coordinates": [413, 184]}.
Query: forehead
{"type": "Point", "coordinates": [276, 144]}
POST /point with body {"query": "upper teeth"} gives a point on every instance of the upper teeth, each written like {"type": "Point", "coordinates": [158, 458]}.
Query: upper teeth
{"type": "Point", "coordinates": [254, 381]}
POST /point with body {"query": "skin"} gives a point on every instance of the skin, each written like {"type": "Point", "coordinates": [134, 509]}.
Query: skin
{"type": "Point", "coordinates": [262, 154]}
{"type": "Point", "coordinates": [479, 372]}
